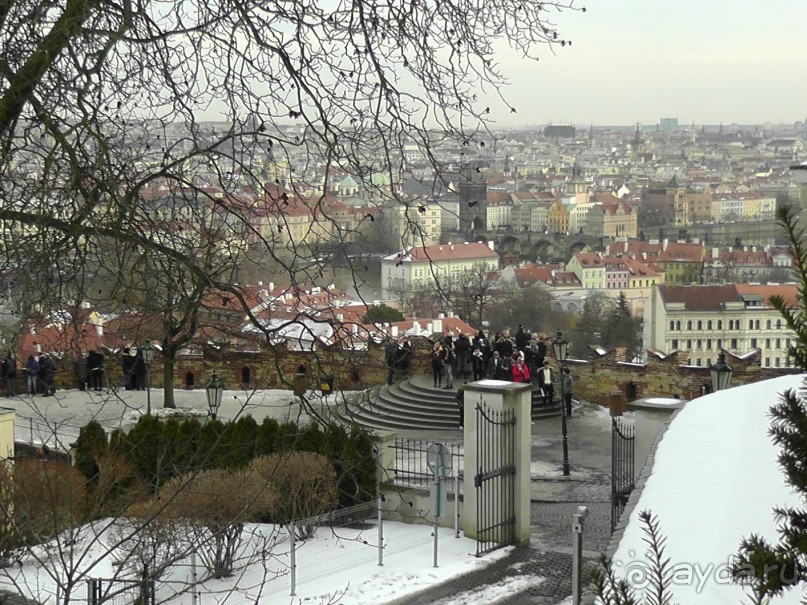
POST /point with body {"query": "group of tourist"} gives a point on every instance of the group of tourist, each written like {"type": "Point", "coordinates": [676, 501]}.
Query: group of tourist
{"type": "Point", "coordinates": [39, 371]}
{"type": "Point", "coordinates": [521, 358]}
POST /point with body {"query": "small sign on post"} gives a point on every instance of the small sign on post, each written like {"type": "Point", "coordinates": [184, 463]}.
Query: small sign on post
{"type": "Point", "coordinates": [438, 459]}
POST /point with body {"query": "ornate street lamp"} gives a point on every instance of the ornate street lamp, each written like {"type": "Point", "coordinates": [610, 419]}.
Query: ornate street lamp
{"type": "Point", "coordinates": [215, 390]}
{"type": "Point", "coordinates": [721, 373]}
{"type": "Point", "coordinates": [148, 350]}
{"type": "Point", "coordinates": [561, 348]}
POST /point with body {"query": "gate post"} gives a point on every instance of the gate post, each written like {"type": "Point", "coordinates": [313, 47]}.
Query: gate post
{"type": "Point", "coordinates": [507, 397]}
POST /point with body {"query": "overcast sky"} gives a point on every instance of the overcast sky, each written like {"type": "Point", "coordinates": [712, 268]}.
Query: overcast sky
{"type": "Point", "coordinates": [701, 61]}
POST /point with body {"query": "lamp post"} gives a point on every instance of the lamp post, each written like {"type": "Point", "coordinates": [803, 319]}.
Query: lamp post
{"type": "Point", "coordinates": [561, 347]}
{"type": "Point", "coordinates": [215, 390]}
{"type": "Point", "coordinates": [148, 351]}
{"type": "Point", "coordinates": [721, 373]}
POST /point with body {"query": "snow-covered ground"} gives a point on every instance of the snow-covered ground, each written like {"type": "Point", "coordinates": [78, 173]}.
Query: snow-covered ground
{"type": "Point", "coordinates": [715, 480]}
{"type": "Point", "coordinates": [328, 566]}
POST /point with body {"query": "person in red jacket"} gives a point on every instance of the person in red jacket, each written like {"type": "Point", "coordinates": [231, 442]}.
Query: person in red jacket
{"type": "Point", "coordinates": [521, 373]}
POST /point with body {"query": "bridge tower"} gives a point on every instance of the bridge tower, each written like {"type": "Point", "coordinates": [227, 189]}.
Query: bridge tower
{"type": "Point", "coordinates": [473, 194]}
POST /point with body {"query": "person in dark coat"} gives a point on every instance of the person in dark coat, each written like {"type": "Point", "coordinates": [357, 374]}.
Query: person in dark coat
{"type": "Point", "coordinates": [496, 367]}
{"type": "Point", "coordinates": [478, 365]}
{"type": "Point", "coordinates": [32, 374]}
{"type": "Point", "coordinates": [95, 368]}
{"type": "Point", "coordinates": [140, 370]}
{"type": "Point", "coordinates": [47, 372]}
{"type": "Point", "coordinates": [462, 349]}
{"type": "Point", "coordinates": [80, 371]}
{"type": "Point", "coordinates": [437, 364]}
{"type": "Point", "coordinates": [522, 338]}
{"type": "Point", "coordinates": [10, 374]}
{"type": "Point", "coordinates": [127, 368]}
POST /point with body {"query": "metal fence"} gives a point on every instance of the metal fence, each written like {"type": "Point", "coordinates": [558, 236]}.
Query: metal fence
{"type": "Point", "coordinates": [410, 465]}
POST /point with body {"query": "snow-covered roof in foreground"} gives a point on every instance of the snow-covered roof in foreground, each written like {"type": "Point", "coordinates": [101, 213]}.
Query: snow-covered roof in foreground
{"type": "Point", "coordinates": [715, 480]}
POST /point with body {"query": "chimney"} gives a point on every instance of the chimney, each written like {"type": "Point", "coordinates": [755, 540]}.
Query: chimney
{"type": "Point", "coordinates": [354, 328]}
{"type": "Point", "coordinates": [260, 284]}
{"type": "Point", "coordinates": [394, 331]}
{"type": "Point", "coordinates": [715, 253]}
{"type": "Point", "coordinates": [437, 325]}
{"type": "Point", "coordinates": [441, 316]}
{"type": "Point", "coordinates": [429, 328]}
{"type": "Point", "coordinates": [340, 318]}
{"type": "Point", "coordinates": [449, 243]}
{"type": "Point", "coordinates": [99, 329]}
{"type": "Point", "coordinates": [664, 244]}
{"type": "Point", "coordinates": [416, 328]}
{"type": "Point", "coordinates": [491, 245]}
{"type": "Point", "coordinates": [271, 286]}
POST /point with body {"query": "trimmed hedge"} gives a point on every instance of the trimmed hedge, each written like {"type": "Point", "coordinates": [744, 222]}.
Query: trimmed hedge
{"type": "Point", "coordinates": [159, 450]}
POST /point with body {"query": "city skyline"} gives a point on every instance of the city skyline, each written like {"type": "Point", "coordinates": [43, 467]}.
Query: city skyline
{"type": "Point", "coordinates": [632, 61]}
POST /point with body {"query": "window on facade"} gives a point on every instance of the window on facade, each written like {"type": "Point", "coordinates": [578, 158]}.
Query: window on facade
{"type": "Point", "coordinates": [768, 324]}
{"type": "Point", "coordinates": [719, 324]}
{"type": "Point", "coordinates": [767, 343]}
{"type": "Point", "coordinates": [778, 343]}
{"type": "Point", "coordinates": [698, 362]}
{"type": "Point", "coordinates": [689, 345]}
{"type": "Point", "coordinates": [733, 343]}
{"type": "Point", "coordinates": [700, 325]}
{"type": "Point", "coordinates": [778, 324]}
{"type": "Point", "coordinates": [709, 325]}
{"type": "Point", "coordinates": [777, 362]}
{"type": "Point", "coordinates": [767, 362]}
{"type": "Point", "coordinates": [753, 343]}
{"type": "Point", "coordinates": [672, 325]}
{"type": "Point", "coordinates": [678, 325]}
{"type": "Point", "coordinates": [699, 343]}
{"type": "Point", "coordinates": [689, 325]}
{"type": "Point", "coordinates": [750, 324]}
{"type": "Point", "coordinates": [756, 323]}
{"type": "Point", "coordinates": [674, 343]}
{"type": "Point", "coordinates": [709, 344]}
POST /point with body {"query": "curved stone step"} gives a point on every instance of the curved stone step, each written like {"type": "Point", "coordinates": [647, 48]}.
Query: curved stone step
{"type": "Point", "coordinates": [414, 404]}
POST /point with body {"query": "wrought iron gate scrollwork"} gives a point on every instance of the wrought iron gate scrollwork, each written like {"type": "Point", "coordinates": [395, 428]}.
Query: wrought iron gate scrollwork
{"type": "Point", "coordinates": [495, 478]}
{"type": "Point", "coordinates": [623, 440]}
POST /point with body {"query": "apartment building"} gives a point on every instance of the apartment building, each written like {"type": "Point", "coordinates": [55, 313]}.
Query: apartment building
{"type": "Point", "coordinates": [440, 263]}
{"type": "Point", "coordinates": [703, 320]}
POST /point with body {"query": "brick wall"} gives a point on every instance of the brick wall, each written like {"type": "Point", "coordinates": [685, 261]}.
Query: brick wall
{"type": "Point", "coordinates": [595, 379]}
{"type": "Point", "coordinates": [605, 375]}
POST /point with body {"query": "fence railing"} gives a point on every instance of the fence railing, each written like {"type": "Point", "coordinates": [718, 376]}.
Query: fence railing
{"type": "Point", "coordinates": [410, 464]}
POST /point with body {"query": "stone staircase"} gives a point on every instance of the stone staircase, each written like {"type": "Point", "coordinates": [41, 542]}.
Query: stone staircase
{"type": "Point", "coordinates": [414, 404]}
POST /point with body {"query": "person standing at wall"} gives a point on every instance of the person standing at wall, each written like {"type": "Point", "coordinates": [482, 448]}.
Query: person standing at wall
{"type": "Point", "coordinates": [32, 373]}
{"type": "Point", "coordinates": [437, 364]}
{"type": "Point", "coordinates": [568, 383]}
{"type": "Point", "coordinates": [10, 373]}
{"type": "Point", "coordinates": [495, 367]}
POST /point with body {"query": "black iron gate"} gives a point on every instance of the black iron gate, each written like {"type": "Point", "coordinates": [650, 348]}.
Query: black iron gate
{"type": "Point", "coordinates": [495, 479]}
{"type": "Point", "coordinates": [623, 439]}
{"type": "Point", "coordinates": [120, 592]}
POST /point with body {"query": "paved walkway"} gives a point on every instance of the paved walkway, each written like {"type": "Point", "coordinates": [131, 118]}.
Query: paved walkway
{"type": "Point", "coordinates": [555, 499]}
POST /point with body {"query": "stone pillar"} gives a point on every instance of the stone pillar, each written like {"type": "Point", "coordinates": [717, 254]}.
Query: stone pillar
{"type": "Point", "coordinates": [385, 455]}
{"type": "Point", "coordinates": [650, 416]}
{"type": "Point", "coordinates": [499, 395]}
